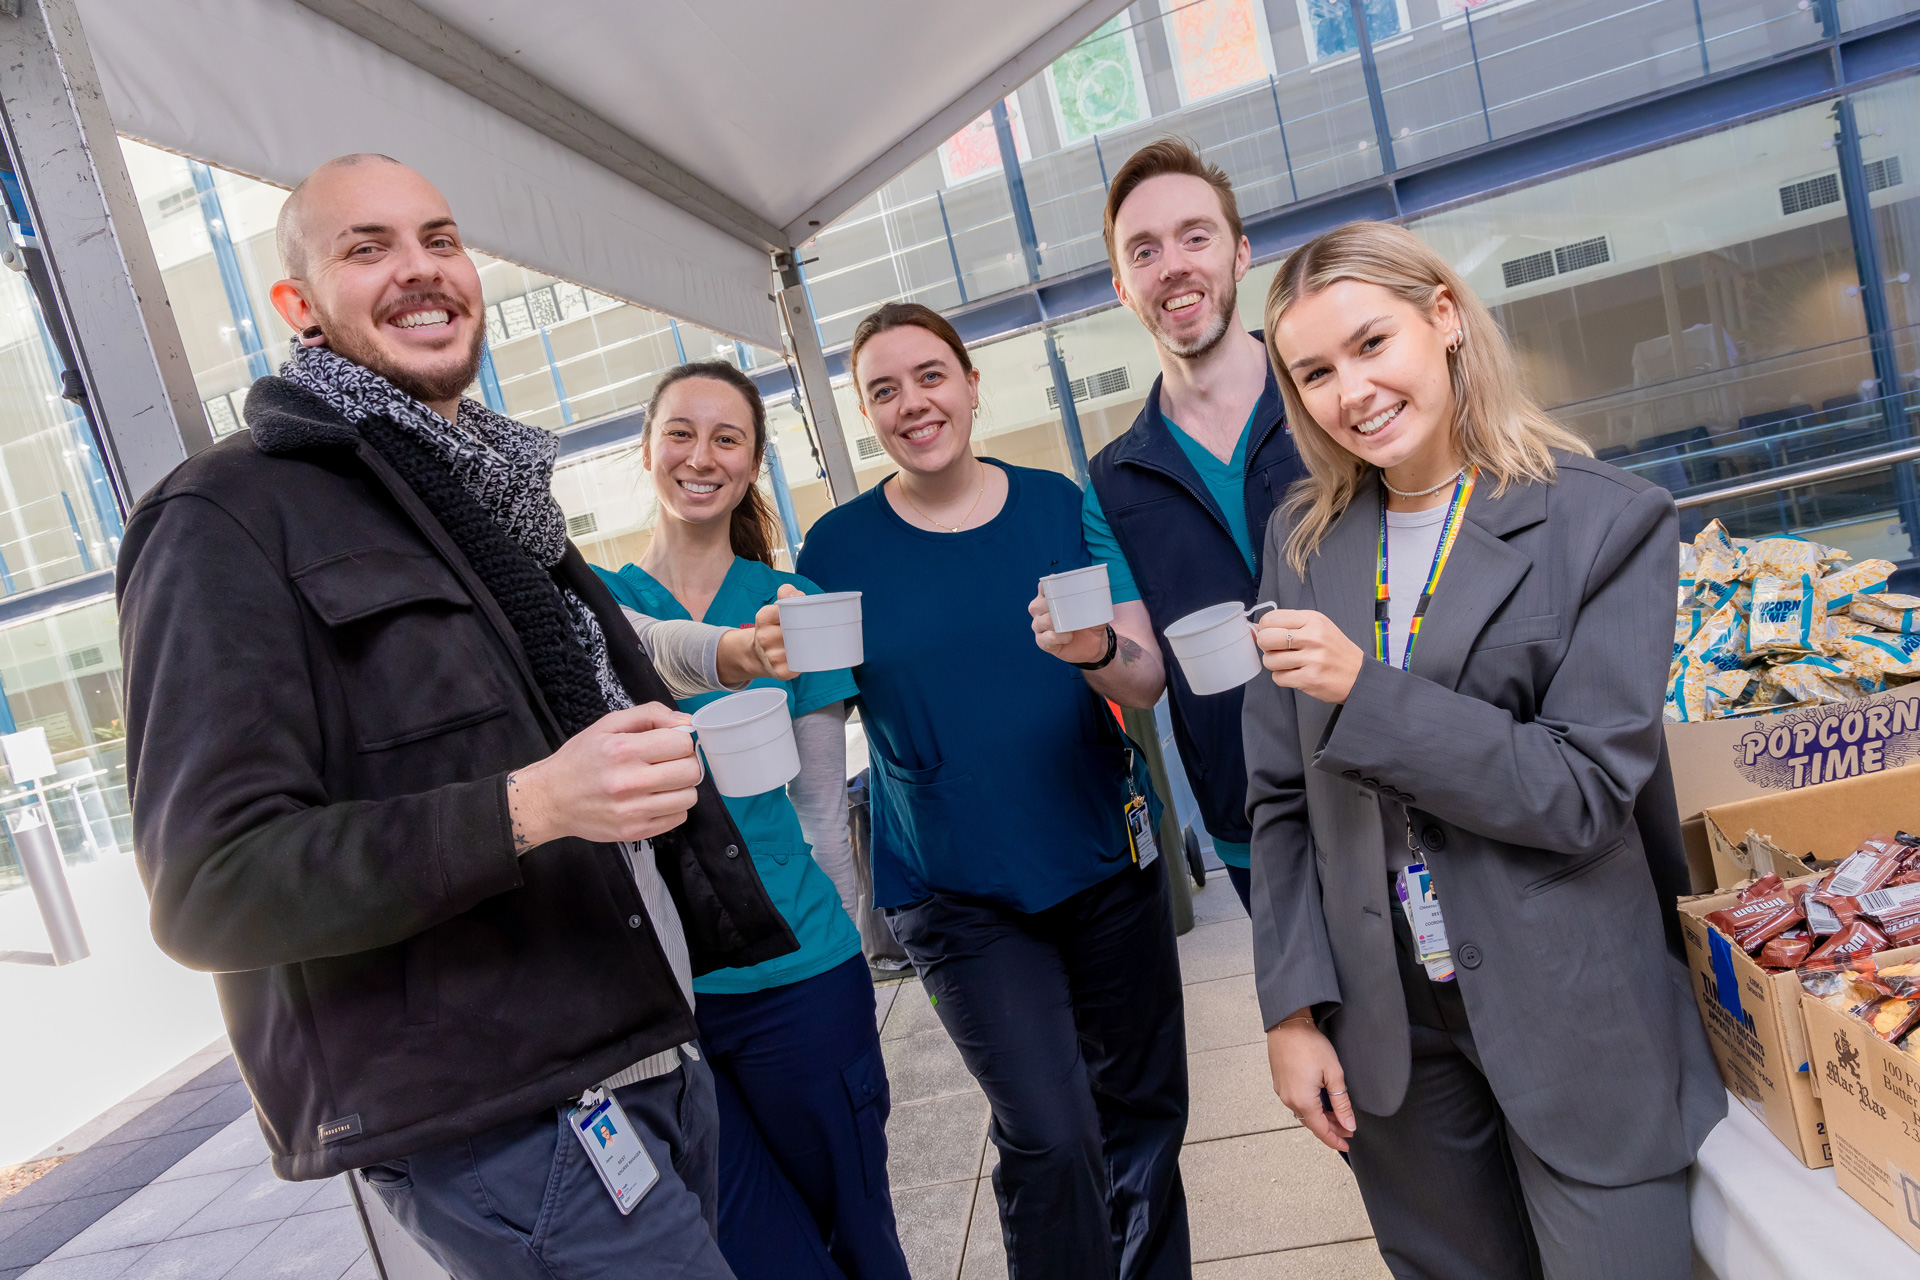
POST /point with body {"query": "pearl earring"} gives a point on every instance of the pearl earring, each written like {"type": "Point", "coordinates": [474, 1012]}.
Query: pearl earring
{"type": "Point", "coordinates": [1458, 338]}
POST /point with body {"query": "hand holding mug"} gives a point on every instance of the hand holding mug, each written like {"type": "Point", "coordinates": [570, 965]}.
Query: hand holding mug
{"type": "Point", "coordinates": [1086, 645]}
{"type": "Point", "coordinates": [1305, 651]}
{"type": "Point", "coordinates": [759, 651]}
{"type": "Point", "coordinates": [630, 775]}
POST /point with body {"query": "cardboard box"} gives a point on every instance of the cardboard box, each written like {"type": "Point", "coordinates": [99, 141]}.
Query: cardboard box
{"type": "Point", "coordinates": [1755, 1028]}
{"type": "Point", "coordinates": [1827, 821]}
{"type": "Point", "coordinates": [1718, 761]}
{"type": "Point", "coordinates": [1872, 1092]}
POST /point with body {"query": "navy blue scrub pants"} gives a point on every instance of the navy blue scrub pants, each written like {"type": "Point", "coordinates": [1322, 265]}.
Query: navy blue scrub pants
{"type": "Point", "coordinates": [1071, 1020]}
{"type": "Point", "coordinates": [803, 1130]}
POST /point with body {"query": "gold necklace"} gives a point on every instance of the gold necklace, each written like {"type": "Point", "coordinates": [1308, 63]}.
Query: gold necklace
{"type": "Point", "coordinates": [956, 528]}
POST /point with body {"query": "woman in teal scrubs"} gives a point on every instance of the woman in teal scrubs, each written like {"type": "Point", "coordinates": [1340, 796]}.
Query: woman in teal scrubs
{"type": "Point", "coordinates": [793, 1043]}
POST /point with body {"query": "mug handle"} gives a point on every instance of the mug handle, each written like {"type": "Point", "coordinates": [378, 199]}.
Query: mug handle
{"type": "Point", "coordinates": [699, 756]}
{"type": "Point", "coordinates": [1252, 622]}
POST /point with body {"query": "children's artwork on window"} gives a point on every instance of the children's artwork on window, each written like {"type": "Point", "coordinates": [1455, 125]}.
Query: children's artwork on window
{"type": "Point", "coordinates": [1097, 85]}
{"type": "Point", "coordinates": [1328, 24]}
{"type": "Point", "coordinates": [975, 152]}
{"type": "Point", "coordinates": [1218, 46]}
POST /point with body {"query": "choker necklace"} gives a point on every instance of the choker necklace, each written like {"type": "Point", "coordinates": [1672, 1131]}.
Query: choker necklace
{"type": "Point", "coordinates": [953, 528]}
{"type": "Point", "coordinates": [1417, 493]}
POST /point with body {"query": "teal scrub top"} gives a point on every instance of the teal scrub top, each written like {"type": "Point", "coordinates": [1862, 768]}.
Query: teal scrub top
{"type": "Point", "coordinates": [803, 893]}
{"type": "Point", "coordinates": [1226, 484]}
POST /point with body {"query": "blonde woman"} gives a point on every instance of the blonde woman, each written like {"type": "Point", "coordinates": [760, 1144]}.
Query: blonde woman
{"type": "Point", "coordinates": [1465, 848]}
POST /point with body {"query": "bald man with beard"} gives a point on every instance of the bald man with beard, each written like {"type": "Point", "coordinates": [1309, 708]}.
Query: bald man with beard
{"type": "Point", "coordinates": [404, 782]}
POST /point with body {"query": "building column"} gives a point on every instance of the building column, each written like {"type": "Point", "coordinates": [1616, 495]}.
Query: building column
{"type": "Point", "coordinates": [232, 281]}
{"type": "Point", "coordinates": [815, 384]}
{"type": "Point", "coordinates": [139, 389]}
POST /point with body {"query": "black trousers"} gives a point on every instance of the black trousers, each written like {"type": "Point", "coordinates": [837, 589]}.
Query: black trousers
{"type": "Point", "coordinates": [1071, 1020]}
{"type": "Point", "coordinates": [1455, 1194]}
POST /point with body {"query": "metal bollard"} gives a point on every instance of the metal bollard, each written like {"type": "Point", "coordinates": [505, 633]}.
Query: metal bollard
{"type": "Point", "coordinates": [47, 873]}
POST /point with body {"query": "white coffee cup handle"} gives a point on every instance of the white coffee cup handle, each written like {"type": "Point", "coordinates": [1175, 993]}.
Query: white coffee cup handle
{"type": "Point", "coordinates": [699, 756]}
{"type": "Point", "coordinates": [1253, 622]}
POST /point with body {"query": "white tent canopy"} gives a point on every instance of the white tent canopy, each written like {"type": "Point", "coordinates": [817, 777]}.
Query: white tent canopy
{"type": "Point", "coordinates": [654, 151]}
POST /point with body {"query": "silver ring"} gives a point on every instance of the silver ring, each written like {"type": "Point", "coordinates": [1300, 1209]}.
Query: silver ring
{"type": "Point", "coordinates": [1289, 636]}
{"type": "Point", "coordinates": [1336, 1093]}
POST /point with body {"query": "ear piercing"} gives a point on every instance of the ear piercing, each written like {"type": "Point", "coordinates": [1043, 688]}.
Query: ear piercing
{"type": "Point", "coordinates": [311, 336]}
{"type": "Point", "coordinates": [1458, 338]}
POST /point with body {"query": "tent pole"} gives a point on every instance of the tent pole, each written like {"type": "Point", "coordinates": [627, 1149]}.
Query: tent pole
{"type": "Point", "coordinates": [815, 383]}
{"type": "Point", "coordinates": [139, 389]}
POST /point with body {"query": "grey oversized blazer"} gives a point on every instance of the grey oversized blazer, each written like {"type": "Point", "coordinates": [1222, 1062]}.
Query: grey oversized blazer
{"type": "Point", "coordinates": [1521, 742]}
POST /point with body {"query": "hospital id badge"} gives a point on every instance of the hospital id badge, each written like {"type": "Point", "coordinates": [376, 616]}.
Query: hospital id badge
{"type": "Point", "coordinates": [1140, 833]}
{"type": "Point", "coordinates": [1422, 906]}
{"type": "Point", "coordinates": [613, 1148]}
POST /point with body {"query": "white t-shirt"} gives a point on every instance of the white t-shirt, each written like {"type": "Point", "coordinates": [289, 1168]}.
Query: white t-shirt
{"type": "Point", "coordinates": [1412, 537]}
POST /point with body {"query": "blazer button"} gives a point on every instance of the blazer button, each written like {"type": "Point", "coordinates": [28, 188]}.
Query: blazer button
{"type": "Point", "coordinates": [1433, 838]}
{"type": "Point", "coordinates": [1469, 956]}
{"type": "Point", "coordinates": [633, 922]}
{"type": "Point", "coordinates": [733, 851]}
{"type": "Point", "coordinates": [1353, 774]}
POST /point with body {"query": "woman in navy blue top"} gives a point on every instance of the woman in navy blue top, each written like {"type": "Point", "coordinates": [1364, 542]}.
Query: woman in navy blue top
{"type": "Point", "coordinates": [1001, 787]}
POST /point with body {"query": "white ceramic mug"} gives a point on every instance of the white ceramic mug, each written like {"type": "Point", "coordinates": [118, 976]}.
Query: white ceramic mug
{"type": "Point", "coordinates": [822, 632]}
{"type": "Point", "coordinates": [746, 739]}
{"type": "Point", "coordinates": [1078, 598]}
{"type": "Point", "coordinates": [1216, 648]}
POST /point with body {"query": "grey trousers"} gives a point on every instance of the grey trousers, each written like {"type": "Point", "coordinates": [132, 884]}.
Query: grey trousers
{"type": "Point", "coordinates": [1454, 1194]}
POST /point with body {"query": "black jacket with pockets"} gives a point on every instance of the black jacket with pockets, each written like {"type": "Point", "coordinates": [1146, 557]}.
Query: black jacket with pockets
{"type": "Point", "coordinates": [323, 705]}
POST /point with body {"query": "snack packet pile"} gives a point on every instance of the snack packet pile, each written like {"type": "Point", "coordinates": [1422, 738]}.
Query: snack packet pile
{"type": "Point", "coordinates": [1771, 624]}
{"type": "Point", "coordinates": [1869, 902]}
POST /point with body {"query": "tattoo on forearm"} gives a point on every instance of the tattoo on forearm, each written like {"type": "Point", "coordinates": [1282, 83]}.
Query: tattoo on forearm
{"type": "Point", "coordinates": [1130, 653]}
{"type": "Point", "coordinates": [520, 842]}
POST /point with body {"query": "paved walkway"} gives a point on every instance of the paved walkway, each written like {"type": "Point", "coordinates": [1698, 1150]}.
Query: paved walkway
{"type": "Point", "coordinates": [182, 1191]}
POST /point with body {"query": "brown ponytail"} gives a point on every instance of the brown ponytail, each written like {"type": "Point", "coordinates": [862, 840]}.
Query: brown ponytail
{"type": "Point", "coordinates": [753, 529]}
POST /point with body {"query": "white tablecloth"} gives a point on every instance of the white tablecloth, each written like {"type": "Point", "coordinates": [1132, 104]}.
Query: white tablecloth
{"type": "Point", "coordinates": [1759, 1214]}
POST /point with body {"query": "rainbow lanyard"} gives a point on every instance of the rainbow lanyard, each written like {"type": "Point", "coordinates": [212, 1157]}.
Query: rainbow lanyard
{"type": "Point", "coordinates": [1456, 516]}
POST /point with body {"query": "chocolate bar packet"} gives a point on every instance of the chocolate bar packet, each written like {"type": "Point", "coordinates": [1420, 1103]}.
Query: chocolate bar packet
{"type": "Point", "coordinates": [1786, 951]}
{"type": "Point", "coordinates": [1857, 941]}
{"type": "Point", "coordinates": [1867, 868]}
{"type": "Point", "coordinates": [1762, 913]}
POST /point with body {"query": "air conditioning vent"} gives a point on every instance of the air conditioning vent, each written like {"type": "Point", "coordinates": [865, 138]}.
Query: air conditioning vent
{"type": "Point", "coordinates": [1577, 257]}
{"type": "Point", "coordinates": [1798, 197]}
{"type": "Point", "coordinates": [1882, 174]}
{"type": "Point", "coordinates": [867, 447]}
{"type": "Point", "coordinates": [1518, 271]}
{"type": "Point", "coordinates": [81, 659]}
{"type": "Point", "coordinates": [1108, 382]}
{"type": "Point", "coordinates": [581, 525]}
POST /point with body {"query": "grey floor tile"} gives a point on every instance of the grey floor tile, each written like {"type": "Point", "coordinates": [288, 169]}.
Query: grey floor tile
{"type": "Point", "coordinates": [912, 1013]}
{"type": "Point", "coordinates": [238, 1146]}
{"type": "Point", "coordinates": [150, 1215]}
{"type": "Point", "coordinates": [1217, 902]}
{"type": "Point", "coordinates": [146, 1160]}
{"type": "Point", "coordinates": [1222, 950]}
{"type": "Point", "coordinates": [206, 1256]}
{"type": "Point", "coordinates": [1266, 1193]}
{"type": "Point", "coordinates": [170, 1113]}
{"type": "Point", "coordinates": [93, 1266]}
{"type": "Point", "coordinates": [883, 1002]}
{"type": "Point", "coordinates": [925, 1065]}
{"type": "Point", "coordinates": [1354, 1260]}
{"type": "Point", "coordinates": [986, 1244]}
{"type": "Point", "coordinates": [56, 1226]}
{"type": "Point", "coordinates": [13, 1219]}
{"type": "Point", "coordinates": [933, 1228]}
{"type": "Point", "coordinates": [365, 1269]}
{"type": "Point", "coordinates": [331, 1194]}
{"type": "Point", "coordinates": [1230, 1093]}
{"type": "Point", "coordinates": [1223, 1012]}
{"type": "Point", "coordinates": [257, 1196]}
{"type": "Point", "coordinates": [313, 1246]}
{"type": "Point", "coordinates": [936, 1140]}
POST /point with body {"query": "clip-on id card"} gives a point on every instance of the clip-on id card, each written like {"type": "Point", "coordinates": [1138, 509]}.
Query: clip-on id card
{"type": "Point", "coordinates": [614, 1149]}
{"type": "Point", "coordinates": [1422, 905]}
{"type": "Point", "coordinates": [1139, 816]}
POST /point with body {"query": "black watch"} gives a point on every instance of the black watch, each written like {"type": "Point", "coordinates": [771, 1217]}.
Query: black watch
{"type": "Point", "coordinates": [1113, 647]}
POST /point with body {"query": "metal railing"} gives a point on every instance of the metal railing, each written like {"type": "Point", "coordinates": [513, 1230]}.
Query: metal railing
{"type": "Point", "coordinates": [1812, 475]}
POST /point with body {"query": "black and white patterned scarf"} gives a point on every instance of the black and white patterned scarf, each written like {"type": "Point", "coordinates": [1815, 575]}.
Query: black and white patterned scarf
{"type": "Point", "coordinates": [506, 467]}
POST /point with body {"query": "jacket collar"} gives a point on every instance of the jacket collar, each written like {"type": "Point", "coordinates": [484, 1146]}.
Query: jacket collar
{"type": "Point", "coordinates": [1148, 443]}
{"type": "Point", "coordinates": [1481, 573]}
{"type": "Point", "coordinates": [284, 419]}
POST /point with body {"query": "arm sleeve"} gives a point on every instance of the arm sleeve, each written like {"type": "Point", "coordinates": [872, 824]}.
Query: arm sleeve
{"type": "Point", "coordinates": [1292, 958]}
{"type": "Point", "coordinates": [1565, 781]}
{"type": "Point", "coordinates": [685, 653]}
{"type": "Point", "coordinates": [819, 795]}
{"type": "Point", "coordinates": [249, 862]}
{"type": "Point", "coordinates": [1105, 548]}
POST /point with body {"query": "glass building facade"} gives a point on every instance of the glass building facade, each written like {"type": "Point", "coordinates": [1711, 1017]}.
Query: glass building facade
{"type": "Point", "coordinates": [1722, 311]}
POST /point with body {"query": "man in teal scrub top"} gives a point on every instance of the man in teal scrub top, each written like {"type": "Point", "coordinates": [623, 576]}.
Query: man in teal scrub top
{"type": "Point", "coordinates": [1178, 504]}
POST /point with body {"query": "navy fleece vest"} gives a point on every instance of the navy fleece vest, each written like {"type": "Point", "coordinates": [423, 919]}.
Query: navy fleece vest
{"type": "Point", "coordinates": [1183, 559]}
